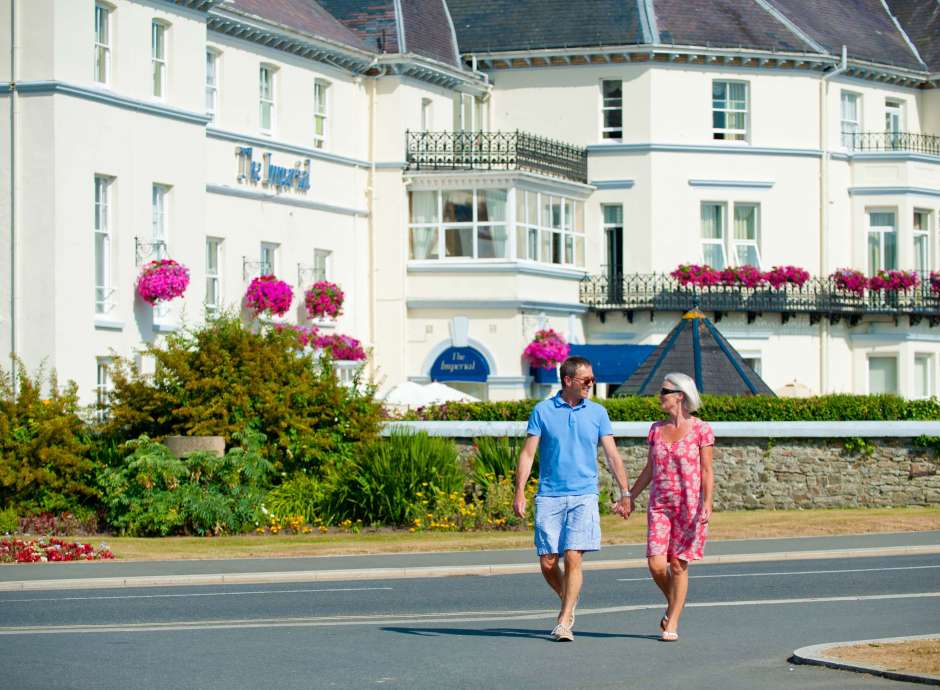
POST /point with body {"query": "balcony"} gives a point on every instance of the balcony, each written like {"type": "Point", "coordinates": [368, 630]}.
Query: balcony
{"type": "Point", "coordinates": [494, 151]}
{"type": "Point", "coordinates": [864, 142]}
{"type": "Point", "coordinates": [818, 298]}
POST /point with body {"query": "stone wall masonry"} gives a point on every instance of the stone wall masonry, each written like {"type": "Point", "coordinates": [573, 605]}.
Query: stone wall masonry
{"type": "Point", "coordinates": [782, 473]}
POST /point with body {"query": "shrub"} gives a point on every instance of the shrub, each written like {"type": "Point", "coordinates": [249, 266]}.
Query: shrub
{"type": "Point", "coordinates": [221, 378]}
{"type": "Point", "coordinates": [496, 458]}
{"type": "Point", "coordinates": [155, 493]}
{"type": "Point", "coordinates": [301, 495]}
{"type": "Point", "coordinates": [387, 483]}
{"type": "Point", "coordinates": [44, 463]}
{"type": "Point", "coordinates": [81, 522]}
{"type": "Point", "coordinates": [9, 521]}
{"type": "Point", "coordinates": [455, 512]}
{"type": "Point", "coordinates": [714, 409]}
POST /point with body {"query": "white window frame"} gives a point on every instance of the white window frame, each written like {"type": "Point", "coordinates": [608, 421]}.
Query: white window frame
{"type": "Point", "coordinates": [887, 355]}
{"type": "Point", "coordinates": [213, 275]}
{"type": "Point", "coordinates": [103, 386]}
{"type": "Point", "coordinates": [896, 106]}
{"type": "Point", "coordinates": [427, 114]}
{"type": "Point", "coordinates": [755, 243]}
{"type": "Point", "coordinates": [720, 242]}
{"type": "Point", "coordinates": [160, 225]}
{"type": "Point", "coordinates": [728, 134]}
{"type": "Point", "coordinates": [102, 232]}
{"type": "Point", "coordinates": [923, 235]}
{"type": "Point", "coordinates": [267, 96]}
{"type": "Point", "coordinates": [268, 259]}
{"type": "Point", "coordinates": [158, 58]}
{"type": "Point", "coordinates": [929, 370]}
{"type": "Point", "coordinates": [213, 58]}
{"type": "Point", "coordinates": [756, 357]}
{"type": "Point", "coordinates": [322, 264]}
{"type": "Point", "coordinates": [102, 57]}
{"type": "Point", "coordinates": [878, 230]}
{"type": "Point", "coordinates": [850, 127]}
{"type": "Point", "coordinates": [321, 112]}
{"type": "Point", "coordinates": [611, 105]}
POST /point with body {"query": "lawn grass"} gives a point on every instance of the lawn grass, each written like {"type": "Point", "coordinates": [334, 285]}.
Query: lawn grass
{"type": "Point", "coordinates": [732, 525]}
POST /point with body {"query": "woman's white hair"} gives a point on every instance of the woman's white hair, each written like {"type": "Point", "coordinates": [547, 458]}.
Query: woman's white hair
{"type": "Point", "coordinates": [691, 399]}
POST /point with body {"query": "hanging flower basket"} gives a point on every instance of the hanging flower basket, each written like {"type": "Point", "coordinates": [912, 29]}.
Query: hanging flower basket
{"type": "Point", "coordinates": [546, 351]}
{"type": "Point", "coordinates": [894, 281]}
{"type": "Point", "coordinates": [699, 275]}
{"type": "Point", "coordinates": [781, 276]}
{"type": "Point", "coordinates": [340, 347]}
{"type": "Point", "coordinates": [850, 280]}
{"type": "Point", "coordinates": [267, 294]}
{"type": "Point", "coordinates": [324, 300]}
{"type": "Point", "coordinates": [162, 280]}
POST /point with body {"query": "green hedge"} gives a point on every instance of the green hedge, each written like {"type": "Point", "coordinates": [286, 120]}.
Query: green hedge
{"type": "Point", "coordinates": [714, 409]}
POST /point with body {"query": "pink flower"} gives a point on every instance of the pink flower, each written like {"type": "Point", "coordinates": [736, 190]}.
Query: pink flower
{"type": "Point", "coordinates": [305, 334]}
{"type": "Point", "coordinates": [894, 281]}
{"type": "Point", "coordinates": [850, 280]}
{"type": "Point", "coordinates": [780, 276]}
{"type": "Point", "coordinates": [547, 349]}
{"type": "Point", "coordinates": [162, 280]}
{"type": "Point", "coordinates": [746, 276]}
{"type": "Point", "coordinates": [270, 295]}
{"type": "Point", "coordinates": [341, 347]}
{"type": "Point", "coordinates": [695, 274]}
{"type": "Point", "coordinates": [934, 282]}
{"type": "Point", "coordinates": [324, 300]}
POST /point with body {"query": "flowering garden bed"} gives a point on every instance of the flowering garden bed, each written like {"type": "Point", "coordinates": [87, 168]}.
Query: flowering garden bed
{"type": "Point", "coordinates": [42, 550]}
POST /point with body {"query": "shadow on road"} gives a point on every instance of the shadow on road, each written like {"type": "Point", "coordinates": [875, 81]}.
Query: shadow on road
{"type": "Point", "coordinates": [506, 632]}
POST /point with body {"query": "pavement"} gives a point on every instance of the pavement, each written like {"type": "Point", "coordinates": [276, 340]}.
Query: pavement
{"type": "Point", "coordinates": [109, 574]}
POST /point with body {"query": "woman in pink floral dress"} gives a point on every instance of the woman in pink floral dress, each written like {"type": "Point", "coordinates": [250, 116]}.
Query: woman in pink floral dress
{"type": "Point", "coordinates": [679, 468]}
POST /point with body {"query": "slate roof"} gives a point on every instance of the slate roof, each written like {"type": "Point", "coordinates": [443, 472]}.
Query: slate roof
{"type": "Point", "coordinates": [920, 20]}
{"type": "Point", "coordinates": [306, 16]}
{"type": "Point", "coordinates": [498, 25]}
{"type": "Point", "coordinates": [425, 25]}
{"type": "Point", "coordinates": [696, 347]}
{"type": "Point", "coordinates": [864, 26]}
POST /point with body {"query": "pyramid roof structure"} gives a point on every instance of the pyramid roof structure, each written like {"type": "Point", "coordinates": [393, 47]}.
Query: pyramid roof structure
{"type": "Point", "coordinates": [697, 348]}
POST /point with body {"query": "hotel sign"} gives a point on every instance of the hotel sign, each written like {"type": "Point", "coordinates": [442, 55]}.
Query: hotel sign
{"type": "Point", "coordinates": [460, 364]}
{"type": "Point", "coordinates": [266, 173]}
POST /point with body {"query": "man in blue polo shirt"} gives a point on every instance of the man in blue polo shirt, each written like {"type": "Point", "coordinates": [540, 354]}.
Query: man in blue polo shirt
{"type": "Point", "coordinates": [566, 430]}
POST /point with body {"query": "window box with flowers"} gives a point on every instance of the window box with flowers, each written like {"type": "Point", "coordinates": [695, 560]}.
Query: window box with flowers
{"type": "Point", "coordinates": [269, 296]}
{"type": "Point", "coordinates": [324, 300]}
{"type": "Point", "coordinates": [850, 280]}
{"type": "Point", "coordinates": [547, 350]}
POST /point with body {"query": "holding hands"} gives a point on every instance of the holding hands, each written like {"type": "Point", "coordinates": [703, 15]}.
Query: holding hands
{"type": "Point", "coordinates": [624, 507]}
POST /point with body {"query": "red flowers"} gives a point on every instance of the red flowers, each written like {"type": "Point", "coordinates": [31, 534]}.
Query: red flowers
{"type": "Point", "coordinates": [341, 347]}
{"type": "Point", "coordinates": [696, 274]}
{"type": "Point", "coordinates": [41, 551]}
{"type": "Point", "coordinates": [779, 276]}
{"type": "Point", "coordinates": [934, 282]}
{"type": "Point", "coordinates": [894, 280]}
{"type": "Point", "coordinates": [324, 300]}
{"type": "Point", "coordinates": [744, 276]}
{"type": "Point", "coordinates": [269, 295]}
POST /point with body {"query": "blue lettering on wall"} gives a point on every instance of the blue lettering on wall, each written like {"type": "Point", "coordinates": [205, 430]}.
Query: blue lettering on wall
{"type": "Point", "coordinates": [265, 172]}
{"type": "Point", "coordinates": [460, 364]}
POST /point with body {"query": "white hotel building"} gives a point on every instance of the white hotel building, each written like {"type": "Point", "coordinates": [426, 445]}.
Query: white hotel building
{"type": "Point", "coordinates": [560, 157]}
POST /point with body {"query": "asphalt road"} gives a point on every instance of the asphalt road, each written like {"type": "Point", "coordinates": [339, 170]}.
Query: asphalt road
{"type": "Point", "coordinates": [743, 623]}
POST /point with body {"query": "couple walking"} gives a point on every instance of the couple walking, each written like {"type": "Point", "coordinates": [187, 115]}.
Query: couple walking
{"type": "Point", "coordinates": [566, 430]}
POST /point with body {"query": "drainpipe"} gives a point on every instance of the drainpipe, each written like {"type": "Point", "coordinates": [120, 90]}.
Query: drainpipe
{"type": "Point", "coordinates": [824, 211]}
{"type": "Point", "coordinates": [13, 104]}
{"type": "Point", "coordinates": [370, 189]}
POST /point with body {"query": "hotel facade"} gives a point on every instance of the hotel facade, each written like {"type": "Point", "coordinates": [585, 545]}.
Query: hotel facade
{"type": "Point", "coordinates": [470, 173]}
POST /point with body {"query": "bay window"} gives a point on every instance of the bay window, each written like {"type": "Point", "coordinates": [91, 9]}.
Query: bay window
{"type": "Point", "coordinates": [729, 110]}
{"type": "Point", "coordinates": [851, 118]}
{"type": "Point", "coordinates": [882, 241]}
{"type": "Point", "coordinates": [922, 263]}
{"type": "Point", "coordinates": [612, 109]}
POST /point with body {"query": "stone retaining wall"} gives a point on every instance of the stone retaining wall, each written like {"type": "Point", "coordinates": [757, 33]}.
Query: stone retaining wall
{"type": "Point", "coordinates": [804, 472]}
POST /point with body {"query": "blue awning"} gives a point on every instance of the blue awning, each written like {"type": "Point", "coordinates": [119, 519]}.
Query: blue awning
{"type": "Point", "coordinates": [613, 363]}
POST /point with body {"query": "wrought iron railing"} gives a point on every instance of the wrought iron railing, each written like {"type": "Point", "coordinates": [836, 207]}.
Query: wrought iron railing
{"type": "Point", "coordinates": [818, 298]}
{"type": "Point", "coordinates": [517, 150]}
{"type": "Point", "coordinates": [892, 141]}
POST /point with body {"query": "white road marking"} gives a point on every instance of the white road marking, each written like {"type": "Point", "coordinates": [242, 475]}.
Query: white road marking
{"type": "Point", "coordinates": [197, 594]}
{"type": "Point", "coordinates": [422, 618]}
{"type": "Point", "coordinates": [792, 572]}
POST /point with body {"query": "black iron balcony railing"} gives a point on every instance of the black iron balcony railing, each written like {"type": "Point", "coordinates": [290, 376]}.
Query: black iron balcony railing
{"type": "Point", "coordinates": [892, 141]}
{"type": "Point", "coordinates": [818, 298]}
{"type": "Point", "coordinates": [494, 151]}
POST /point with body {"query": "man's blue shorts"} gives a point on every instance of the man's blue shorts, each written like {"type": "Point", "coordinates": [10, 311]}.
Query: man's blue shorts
{"type": "Point", "coordinates": [564, 523]}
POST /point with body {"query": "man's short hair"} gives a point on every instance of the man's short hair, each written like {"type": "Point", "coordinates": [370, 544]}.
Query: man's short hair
{"type": "Point", "coordinates": [570, 367]}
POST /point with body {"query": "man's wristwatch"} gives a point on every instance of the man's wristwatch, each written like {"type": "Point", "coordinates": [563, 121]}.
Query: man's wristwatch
{"type": "Point", "coordinates": [625, 494]}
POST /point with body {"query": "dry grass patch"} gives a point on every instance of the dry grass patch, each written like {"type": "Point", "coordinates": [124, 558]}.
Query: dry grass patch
{"type": "Point", "coordinates": [759, 524]}
{"type": "Point", "coordinates": [915, 656]}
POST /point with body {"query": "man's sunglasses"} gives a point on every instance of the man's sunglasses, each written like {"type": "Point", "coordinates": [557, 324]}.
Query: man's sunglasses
{"type": "Point", "coordinates": [668, 391]}
{"type": "Point", "coordinates": [585, 380]}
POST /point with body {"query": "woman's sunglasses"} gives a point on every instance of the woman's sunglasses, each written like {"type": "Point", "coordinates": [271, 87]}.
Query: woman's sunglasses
{"type": "Point", "coordinates": [668, 391]}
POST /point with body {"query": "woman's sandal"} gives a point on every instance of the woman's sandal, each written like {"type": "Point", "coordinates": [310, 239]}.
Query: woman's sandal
{"type": "Point", "coordinates": [668, 636]}
{"type": "Point", "coordinates": [662, 623]}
